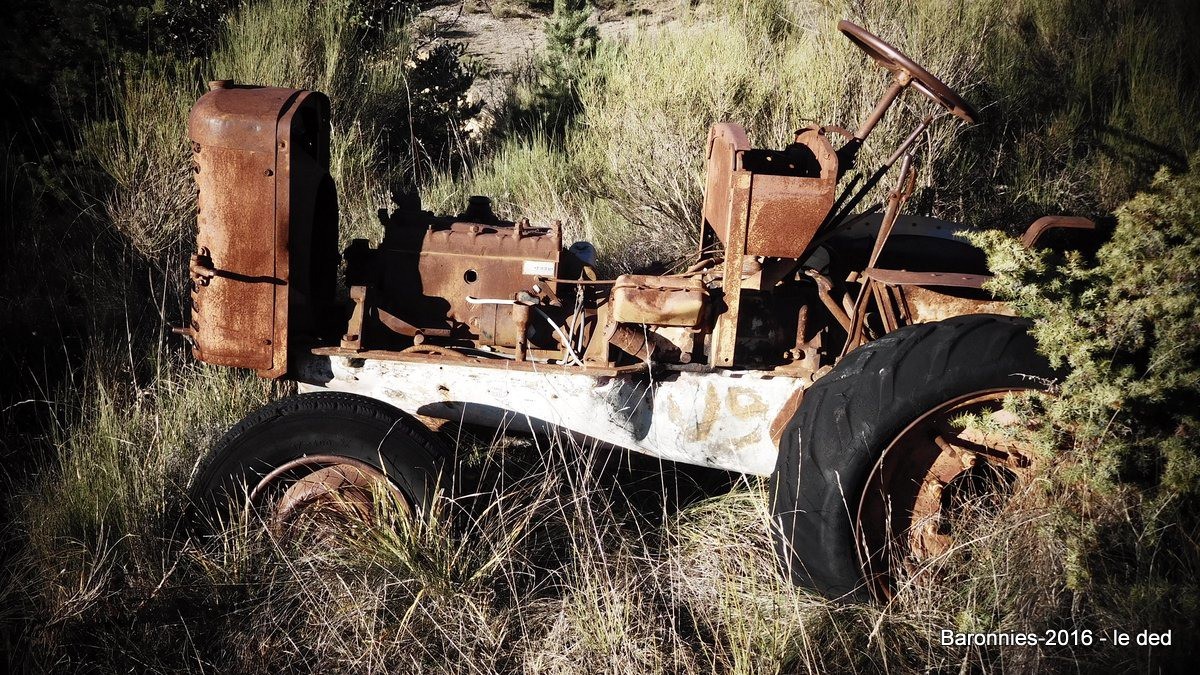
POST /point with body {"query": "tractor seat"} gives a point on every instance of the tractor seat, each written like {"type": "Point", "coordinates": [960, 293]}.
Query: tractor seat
{"type": "Point", "coordinates": [780, 197]}
{"type": "Point", "coordinates": [797, 160]}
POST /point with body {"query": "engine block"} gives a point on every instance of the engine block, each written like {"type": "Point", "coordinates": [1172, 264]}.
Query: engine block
{"type": "Point", "coordinates": [457, 277]}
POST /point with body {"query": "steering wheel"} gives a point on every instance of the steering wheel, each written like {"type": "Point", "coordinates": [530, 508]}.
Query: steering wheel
{"type": "Point", "coordinates": [895, 61]}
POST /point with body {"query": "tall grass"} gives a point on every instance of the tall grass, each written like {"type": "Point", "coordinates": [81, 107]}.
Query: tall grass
{"type": "Point", "coordinates": [98, 499]}
{"type": "Point", "coordinates": [270, 43]}
{"type": "Point", "coordinates": [633, 158]}
{"type": "Point", "coordinates": [142, 150]}
{"type": "Point", "coordinates": [1080, 101]}
{"type": "Point", "coordinates": [577, 560]}
{"type": "Point", "coordinates": [384, 135]}
{"type": "Point", "coordinates": [563, 568]}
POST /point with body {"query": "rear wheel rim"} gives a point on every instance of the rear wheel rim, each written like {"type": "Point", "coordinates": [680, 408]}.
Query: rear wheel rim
{"type": "Point", "coordinates": [313, 497]}
{"type": "Point", "coordinates": [929, 484]}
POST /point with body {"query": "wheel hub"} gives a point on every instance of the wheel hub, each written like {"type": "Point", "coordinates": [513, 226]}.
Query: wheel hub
{"type": "Point", "coordinates": [933, 483]}
{"type": "Point", "coordinates": [317, 495]}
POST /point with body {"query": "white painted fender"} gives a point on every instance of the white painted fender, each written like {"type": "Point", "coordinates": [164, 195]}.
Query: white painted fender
{"type": "Point", "coordinates": [717, 419]}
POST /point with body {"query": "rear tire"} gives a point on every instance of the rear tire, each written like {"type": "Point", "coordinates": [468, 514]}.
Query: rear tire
{"type": "Point", "coordinates": [848, 418]}
{"type": "Point", "coordinates": [333, 437]}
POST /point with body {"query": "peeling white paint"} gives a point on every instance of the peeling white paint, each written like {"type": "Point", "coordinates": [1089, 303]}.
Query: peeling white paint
{"type": "Point", "coordinates": [717, 419]}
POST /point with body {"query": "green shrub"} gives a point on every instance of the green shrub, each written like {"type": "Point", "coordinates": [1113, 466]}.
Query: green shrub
{"type": "Point", "coordinates": [1123, 421]}
{"type": "Point", "coordinates": [1128, 328]}
{"type": "Point", "coordinates": [550, 101]}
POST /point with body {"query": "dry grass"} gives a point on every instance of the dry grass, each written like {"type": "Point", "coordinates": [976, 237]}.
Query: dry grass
{"type": "Point", "coordinates": [144, 150]}
{"type": "Point", "coordinates": [142, 145]}
{"type": "Point", "coordinates": [1059, 133]}
{"type": "Point", "coordinates": [560, 566]}
{"type": "Point", "coordinates": [567, 559]}
{"type": "Point", "coordinates": [628, 173]}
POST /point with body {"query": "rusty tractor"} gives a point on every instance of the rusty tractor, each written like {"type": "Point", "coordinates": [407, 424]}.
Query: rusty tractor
{"type": "Point", "coordinates": [832, 352]}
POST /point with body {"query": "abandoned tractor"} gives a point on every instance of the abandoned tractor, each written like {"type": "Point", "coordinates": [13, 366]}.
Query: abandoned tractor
{"type": "Point", "coordinates": [832, 352]}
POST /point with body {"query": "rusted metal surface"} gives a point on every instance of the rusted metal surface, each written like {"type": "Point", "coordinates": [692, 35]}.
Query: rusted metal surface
{"type": "Point", "coordinates": [474, 319]}
{"type": "Point", "coordinates": [633, 340]}
{"type": "Point", "coordinates": [899, 83]}
{"type": "Point", "coordinates": [784, 416]}
{"type": "Point", "coordinates": [352, 339]}
{"type": "Point", "coordinates": [903, 278]}
{"type": "Point", "coordinates": [471, 318]}
{"type": "Point", "coordinates": [646, 343]}
{"type": "Point", "coordinates": [906, 69]}
{"type": "Point", "coordinates": [926, 305]}
{"type": "Point", "coordinates": [913, 295]}
{"type": "Point", "coordinates": [891, 315]}
{"type": "Point", "coordinates": [679, 342]}
{"type": "Point", "coordinates": [895, 201]}
{"type": "Point", "coordinates": [711, 419]}
{"type": "Point", "coordinates": [723, 341]}
{"type": "Point", "coordinates": [452, 278]}
{"type": "Point", "coordinates": [761, 203]}
{"type": "Point", "coordinates": [320, 490]}
{"type": "Point", "coordinates": [436, 354]}
{"type": "Point", "coordinates": [903, 298]}
{"type": "Point", "coordinates": [824, 288]}
{"type": "Point", "coordinates": [779, 198]}
{"type": "Point", "coordinates": [659, 301]}
{"type": "Point", "coordinates": [726, 143]}
{"type": "Point", "coordinates": [1046, 224]}
{"type": "Point", "coordinates": [478, 292]}
{"type": "Point", "coordinates": [259, 155]}
{"type": "Point", "coordinates": [931, 480]}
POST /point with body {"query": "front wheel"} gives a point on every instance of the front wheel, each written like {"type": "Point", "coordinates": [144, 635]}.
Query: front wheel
{"type": "Point", "coordinates": [321, 459]}
{"type": "Point", "coordinates": [874, 472]}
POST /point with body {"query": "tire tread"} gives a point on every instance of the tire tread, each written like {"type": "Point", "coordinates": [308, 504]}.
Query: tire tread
{"type": "Point", "coordinates": [847, 417]}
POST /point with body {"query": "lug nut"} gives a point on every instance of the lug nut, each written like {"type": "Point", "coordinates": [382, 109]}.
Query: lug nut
{"type": "Point", "coordinates": [935, 488]}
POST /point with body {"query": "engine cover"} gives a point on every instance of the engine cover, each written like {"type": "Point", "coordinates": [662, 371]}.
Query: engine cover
{"type": "Point", "coordinates": [447, 273]}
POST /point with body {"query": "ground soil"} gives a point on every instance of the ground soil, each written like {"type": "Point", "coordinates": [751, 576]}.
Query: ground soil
{"type": "Point", "coordinates": [502, 37]}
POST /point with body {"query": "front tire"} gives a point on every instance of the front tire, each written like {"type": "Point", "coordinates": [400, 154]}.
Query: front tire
{"type": "Point", "coordinates": [329, 450]}
{"type": "Point", "coordinates": [871, 401]}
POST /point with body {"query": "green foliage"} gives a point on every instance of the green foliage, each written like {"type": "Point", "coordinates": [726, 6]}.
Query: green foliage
{"type": "Point", "coordinates": [1123, 421]}
{"type": "Point", "coordinates": [548, 100]}
{"type": "Point", "coordinates": [1127, 326]}
{"type": "Point", "coordinates": [189, 27]}
{"type": "Point", "coordinates": [570, 43]}
{"type": "Point", "coordinates": [632, 158]}
{"type": "Point", "coordinates": [53, 52]}
{"type": "Point", "coordinates": [431, 130]}
{"type": "Point", "coordinates": [626, 172]}
{"type": "Point", "coordinates": [150, 200]}
{"type": "Point", "coordinates": [195, 26]}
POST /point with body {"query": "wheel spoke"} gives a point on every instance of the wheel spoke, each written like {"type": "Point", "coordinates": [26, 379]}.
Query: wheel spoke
{"type": "Point", "coordinates": [932, 482]}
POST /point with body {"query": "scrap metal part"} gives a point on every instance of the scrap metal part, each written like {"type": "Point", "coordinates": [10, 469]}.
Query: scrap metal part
{"type": "Point", "coordinates": [261, 159]}
{"type": "Point", "coordinates": [714, 419]}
